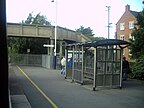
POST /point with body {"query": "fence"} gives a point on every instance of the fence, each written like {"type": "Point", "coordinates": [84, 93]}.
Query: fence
{"type": "Point", "coordinates": [34, 60]}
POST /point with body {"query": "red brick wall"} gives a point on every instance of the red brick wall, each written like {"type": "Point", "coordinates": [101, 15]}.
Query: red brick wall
{"type": "Point", "coordinates": [126, 17]}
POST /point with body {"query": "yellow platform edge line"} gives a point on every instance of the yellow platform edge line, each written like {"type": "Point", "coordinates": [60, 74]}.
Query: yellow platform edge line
{"type": "Point", "coordinates": [46, 97]}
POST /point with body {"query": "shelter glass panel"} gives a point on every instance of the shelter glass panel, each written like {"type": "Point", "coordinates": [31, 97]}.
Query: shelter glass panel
{"type": "Point", "coordinates": [107, 66]}
{"type": "Point", "coordinates": [78, 63]}
{"type": "Point", "coordinates": [89, 64]}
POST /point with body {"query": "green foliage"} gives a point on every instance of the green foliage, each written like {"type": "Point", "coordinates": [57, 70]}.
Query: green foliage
{"type": "Point", "coordinates": [137, 43]}
{"type": "Point", "coordinates": [138, 68]}
{"type": "Point", "coordinates": [89, 33]}
{"type": "Point", "coordinates": [38, 19]}
{"type": "Point", "coordinates": [14, 44]}
{"type": "Point", "coordinates": [140, 19]}
{"type": "Point", "coordinates": [20, 45]}
{"type": "Point", "coordinates": [96, 38]}
{"type": "Point", "coordinates": [29, 19]}
{"type": "Point", "coordinates": [137, 47]}
{"type": "Point", "coordinates": [85, 31]}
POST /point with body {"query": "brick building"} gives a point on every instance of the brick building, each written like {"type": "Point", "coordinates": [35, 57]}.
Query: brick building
{"type": "Point", "coordinates": [125, 26]}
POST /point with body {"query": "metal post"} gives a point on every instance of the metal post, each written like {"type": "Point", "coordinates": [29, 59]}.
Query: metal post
{"type": "Point", "coordinates": [108, 21]}
{"type": "Point", "coordinates": [82, 75]}
{"type": "Point", "coordinates": [121, 56]}
{"type": "Point", "coordinates": [73, 66]}
{"type": "Point", "coordinates": [95, 69]}
{"type": "Point", "coordinates": [66, 67]}
{"type": "Point", "coordinates": [61, 49]}
{"type": "Point", "coordinates": [55, 34]}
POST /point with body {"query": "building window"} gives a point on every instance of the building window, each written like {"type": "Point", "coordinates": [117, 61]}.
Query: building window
{"type": "Point", "coordinates": [129, 52]}
{"type": "Point", "coordinates": [131, 37]}
{"type": "Point", "coordinates": [121, 37]}
{"type": "Point", "coordinates": [123, 52]}
{"type": "Point", "coordinates": [131, 24]}
{"type": "Point", "coordinates": [122, 26]}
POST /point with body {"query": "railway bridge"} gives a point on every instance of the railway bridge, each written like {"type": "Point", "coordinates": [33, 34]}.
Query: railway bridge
{"type": "Point", "coordinates": [64, 35]}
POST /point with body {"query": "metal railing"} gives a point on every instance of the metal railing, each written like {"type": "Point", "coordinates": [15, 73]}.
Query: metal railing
{"type": "Point", "coordinates": [34, 60]}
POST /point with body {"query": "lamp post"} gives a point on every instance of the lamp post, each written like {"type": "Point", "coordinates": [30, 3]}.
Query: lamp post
{"type": "Point", "coordinates": [108, 21]}
{"type": "Point", "coordinates": [55, 33]}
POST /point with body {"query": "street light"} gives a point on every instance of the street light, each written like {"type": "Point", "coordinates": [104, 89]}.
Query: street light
{"type": "Point", "coordinates": [108, 20]}
{"type": "Point", "coordinates": [55, 34]}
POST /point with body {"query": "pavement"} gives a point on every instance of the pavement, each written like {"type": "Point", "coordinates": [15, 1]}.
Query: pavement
{"type": "Point", "coordinates": [17, 96]}
{"type": "Point", "coordinates": [131, 95]}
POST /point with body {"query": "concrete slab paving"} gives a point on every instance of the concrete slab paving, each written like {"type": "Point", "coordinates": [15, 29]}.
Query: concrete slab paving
{"type": "Point", "coordinates": [19, 101]}
{"type": "Point", "coordinates": [71, 95]}
{"type": "Point", "coordinates": [17, 97]}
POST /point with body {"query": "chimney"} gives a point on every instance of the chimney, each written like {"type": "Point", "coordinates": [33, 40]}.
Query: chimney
{"type": "Point", "coordinates": [127, 7]}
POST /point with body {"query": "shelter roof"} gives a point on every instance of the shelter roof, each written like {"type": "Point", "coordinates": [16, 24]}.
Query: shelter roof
{"type": "Point", "coordinates": [104, 42]}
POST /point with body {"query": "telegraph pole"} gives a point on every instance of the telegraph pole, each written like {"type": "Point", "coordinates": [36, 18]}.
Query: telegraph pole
{"type": "Point", "coordinates": [108, 9]}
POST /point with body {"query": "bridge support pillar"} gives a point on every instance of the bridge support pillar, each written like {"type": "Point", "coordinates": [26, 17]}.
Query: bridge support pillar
{"type": "Point", "coordinates": [48, 48]}
{"type": "Point", "coordinates": [62, 47]}
{"type": "Point", "coordinates": [51, 48]}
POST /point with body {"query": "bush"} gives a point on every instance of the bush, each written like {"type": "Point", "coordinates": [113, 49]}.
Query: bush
{"type": "Point", "coordinates": [138, 68]}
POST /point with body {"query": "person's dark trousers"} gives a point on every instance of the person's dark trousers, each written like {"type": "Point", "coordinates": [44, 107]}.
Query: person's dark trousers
{"type": "Point", "coordinates": [125, 75]}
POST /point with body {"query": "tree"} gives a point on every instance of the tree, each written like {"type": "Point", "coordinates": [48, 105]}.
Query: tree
{"type": "Point", "coordinates": [38, 19]}
{"type": "Point", "coordinates": [137, 43]}
{"type": "Point", "coordinates": [137, 47]}
{"type": "Point", "coordinates": [85, 31]}
{"type": "Point", "coordinates": [89, 33]}
{"type": "Point", "coordinates": [96, 38]}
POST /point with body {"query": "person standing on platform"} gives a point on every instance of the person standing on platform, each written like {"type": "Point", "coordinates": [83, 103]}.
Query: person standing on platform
{"type": "Point", "coordinates": [125, 68]}
{"type": "Point", "coordinates": [63, 64]}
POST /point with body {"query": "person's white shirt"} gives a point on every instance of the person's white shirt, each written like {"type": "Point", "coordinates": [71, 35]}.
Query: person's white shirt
{"type": "Point", "coordinates": [63, 61]}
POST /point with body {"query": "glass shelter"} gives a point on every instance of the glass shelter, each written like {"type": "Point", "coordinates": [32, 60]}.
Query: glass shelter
{"type": "Point", "coordinates": [96, 63]}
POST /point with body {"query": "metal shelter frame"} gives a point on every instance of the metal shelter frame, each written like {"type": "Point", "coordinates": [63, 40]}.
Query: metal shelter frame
{"type": "Point", "coordinates": [99, 62]}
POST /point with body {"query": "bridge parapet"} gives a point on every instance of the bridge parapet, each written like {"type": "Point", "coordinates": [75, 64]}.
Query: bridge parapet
{"type": "Point", "coordinates": [29, 30]}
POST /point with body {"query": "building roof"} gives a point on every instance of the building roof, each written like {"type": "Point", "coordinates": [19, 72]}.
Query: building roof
{"type": "Point", "coordinates": [134, 13]}
{"type": "Point", "coordinates": [127, 9]}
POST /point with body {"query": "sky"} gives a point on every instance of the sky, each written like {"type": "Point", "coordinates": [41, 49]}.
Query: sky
{"type": "Point", "coordinates": [72, 14]}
